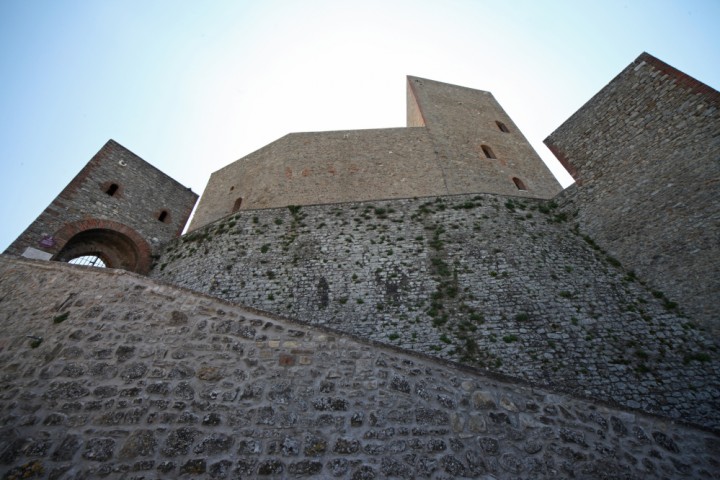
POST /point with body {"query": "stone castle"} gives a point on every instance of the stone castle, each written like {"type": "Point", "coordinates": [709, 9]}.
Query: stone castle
{"type": "Point", "coordinates": [419, 302]}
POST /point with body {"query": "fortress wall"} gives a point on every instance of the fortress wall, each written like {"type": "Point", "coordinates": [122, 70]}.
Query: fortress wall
{"type": "Point", "coordinates": [138, 379]}
{"type": "Point", "coordinates": [325, 167]}
{"type": "Point", "coordinates": [143, 193]}
{"type": "Point", "coordinates": [439, 154]}
{"type": "Point", "coordinates": [497, 282]}
{"type": "Point", "coordinates": [459, 121]}
{"type": "Point", "coordinates": [645, 153]}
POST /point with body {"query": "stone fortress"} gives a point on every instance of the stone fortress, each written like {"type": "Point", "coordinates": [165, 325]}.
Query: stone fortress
{"type": "Point", "coordinates": [420, 302]}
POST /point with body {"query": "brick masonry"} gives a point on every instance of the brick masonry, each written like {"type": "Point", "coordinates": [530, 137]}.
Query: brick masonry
{"type": "Point", "coordinates": [644, 152]}
{"type": "Point", "coordinates": [501, 283]}
{"type": "Point", "coordinates": [440, 153]}
{"type": "Point", "coordinates": [108, 374]}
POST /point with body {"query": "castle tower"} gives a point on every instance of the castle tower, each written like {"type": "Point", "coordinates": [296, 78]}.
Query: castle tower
{"type": "Point", "coordinates": [119, 209]}
{"type": "Point", "coordinates": [459, 140]}
{"type": "Point", "coordinates": [644, 152]}
{"type": "Point", "coordinates": [479, 148]}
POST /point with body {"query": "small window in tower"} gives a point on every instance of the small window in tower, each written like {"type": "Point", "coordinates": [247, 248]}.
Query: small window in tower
{"type": "Point", "coordinates": [112, 189]}
{"type": "Point", "coordinates": [487, 151]}
{"type": "Point", "coordinates": [519, 184]}
{"type": "Point", "coordinates": [163, 217]}
{"type": "Point", "coordinates": [502, 127]}
{"type": "Point", "coordinates": [238, 202]}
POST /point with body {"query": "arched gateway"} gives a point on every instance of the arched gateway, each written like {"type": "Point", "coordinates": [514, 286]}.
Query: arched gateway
{"type": "Point", "coordinates": [117, 245]}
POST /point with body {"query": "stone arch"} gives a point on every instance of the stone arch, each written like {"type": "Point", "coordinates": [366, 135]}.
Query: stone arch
{"type": "Point", "coordinates": [118, 245]}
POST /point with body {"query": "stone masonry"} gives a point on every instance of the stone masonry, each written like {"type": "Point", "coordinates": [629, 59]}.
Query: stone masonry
{"type": "Point", "coordinates": [645, 152]}
{"type": "Point", "coordinates": [118, 204]}
{"type": "Point", "coordinates": [107, 374]}
{"type": "Point", "coordinates": [495, 282]}
{"type": "Point", "coordinates": [441, 153]}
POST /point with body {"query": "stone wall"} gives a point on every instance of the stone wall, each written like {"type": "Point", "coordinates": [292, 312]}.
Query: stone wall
{"type": "Point", "coordinates": [442, 154]}
{"type": "Point", "coordinates": [110, 375]}
{"type": "Point", "coordinates": [460, 121]}
{"type": "Point", "coordinates": [501, 283]}
{"type": "Point", "coordinates": [134, 209]}
{"type": "Point", "coordinates": [645, 152]}
{"type": "Point", "coordinates": [325, 167]}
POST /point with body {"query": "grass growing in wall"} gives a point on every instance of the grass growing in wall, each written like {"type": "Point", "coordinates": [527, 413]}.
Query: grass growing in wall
{"type": "Point", "coordinates": [448, 307]}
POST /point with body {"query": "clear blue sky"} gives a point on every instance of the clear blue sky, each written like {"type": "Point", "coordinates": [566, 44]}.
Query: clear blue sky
{"type": "Point", "coordinates": [191, 86]}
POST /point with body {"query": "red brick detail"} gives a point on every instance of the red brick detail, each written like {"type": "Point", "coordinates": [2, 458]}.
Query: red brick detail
{"type": "Point", "coordinates": [108, 149]}
{"type": "Point", "coordinates": [563, 159]}
{"type": "Point", "coordinates": [69, 230]}
{"type": "Point", "coordinates": [681, 78]}
{"type": "Point", "coordinates": [286, 360]}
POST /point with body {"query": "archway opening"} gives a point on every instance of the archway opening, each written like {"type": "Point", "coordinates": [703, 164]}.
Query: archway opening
{"type": "Point", "coordinates": [113, 249]}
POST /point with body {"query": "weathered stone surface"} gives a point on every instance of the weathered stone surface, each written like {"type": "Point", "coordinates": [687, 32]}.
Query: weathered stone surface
{"type": "Point", "coordinates": [444, 152]}
{"type": "Point", "coordinates": [499, 283]}
{"type": "Point", "coordinates": [99, 449]}
{"type": "Point", "coordinates": [338, 416]}
{"type": "Point", "coordinates": [635, 197]}
{"type": "Point", "coordinates": [88, 206]}
{"type": "Point", "coordinates": [140, 443]}
{"type": "Point", "coordinates": [179, 441]}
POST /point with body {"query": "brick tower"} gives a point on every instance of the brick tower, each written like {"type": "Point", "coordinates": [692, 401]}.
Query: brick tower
{"type": "Point", "coordinates": [119, 208]}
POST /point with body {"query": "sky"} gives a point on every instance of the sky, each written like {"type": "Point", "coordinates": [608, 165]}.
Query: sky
{"type": "Point", "coordinates": [192, 86]}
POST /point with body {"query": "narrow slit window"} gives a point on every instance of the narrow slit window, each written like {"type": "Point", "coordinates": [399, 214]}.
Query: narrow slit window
{"type": "Point", "coordinates": [112, 189]}
{"type": "Point", "coordinates": [519, 184]}
{"type": "Point", "coordinates": [488, 151]}
{"type": "Point", "coordinates": [163, 217]}
{"type": "Point", "coordinates": [237, 204]}
{"type": "Point", "coordinates": [502, 127]}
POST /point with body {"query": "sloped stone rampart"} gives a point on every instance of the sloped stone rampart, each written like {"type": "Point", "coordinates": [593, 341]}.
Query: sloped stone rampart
{"type": "Point", "coordinates": [110, 375]}
{"type": "Point", "coordinates": [495, 282]}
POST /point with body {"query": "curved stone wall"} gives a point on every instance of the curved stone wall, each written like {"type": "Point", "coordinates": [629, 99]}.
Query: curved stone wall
{"type": "Point", "coordinates": [501, 283]}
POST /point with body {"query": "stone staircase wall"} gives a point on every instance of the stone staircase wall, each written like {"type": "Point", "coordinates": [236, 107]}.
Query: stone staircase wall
{"type": "Point", "coordinates": [109, 374]}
